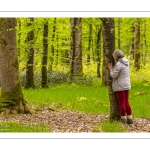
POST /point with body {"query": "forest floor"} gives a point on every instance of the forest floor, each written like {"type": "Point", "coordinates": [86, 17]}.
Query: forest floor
{"type": "Point", "coordinates": [71, 121]}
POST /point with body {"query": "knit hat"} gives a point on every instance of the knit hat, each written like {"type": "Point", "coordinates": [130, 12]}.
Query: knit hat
{"type": "Point", "coordinates": [118, 54]}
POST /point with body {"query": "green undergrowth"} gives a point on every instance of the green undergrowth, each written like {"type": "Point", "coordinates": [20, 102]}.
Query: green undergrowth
{"type": "Point", "coordinates": [70, 97]}
{"type": "Point", "coordinates": [107, 126]}
{"type": "Point", "coordinates": [19, 127]}
{"type": "Point", "coordinates": [93, 99]}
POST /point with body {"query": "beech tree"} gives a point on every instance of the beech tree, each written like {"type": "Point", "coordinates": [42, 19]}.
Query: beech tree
{"type": "Point", "coordinates": [30, 61]}
{"type": "Point", "coordinates": [137, 44]}
{"type": "Point", "coordinates": [45, 55]}
{"type": "Point", "coordinates": [109, 47]}
{"type": "Point", "coordinates": [76, 47]}
{"type": "Point", "coordinates": [11, 100]}
{"type": "Point", "coordinates": [119, 20]}
{"type": "Point", "coordinates": [89, 43]}
{"type": "Point", "coordinates": [98, 51]}
{"type": "Point", "coordinates": [52, 46]}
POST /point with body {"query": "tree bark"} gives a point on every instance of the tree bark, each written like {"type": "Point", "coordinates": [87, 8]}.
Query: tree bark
{"type": "Point", "coordinates": [11, 100]}
{"type": "Point", "coordinates": [104, 68]}
{"type": "Point", "coordinates": [145, 43]}
{"type": "Point", "coordinates": [45, 55]}
{"type": "Point", "coordinates": [76, 68]}
{"type": "Point", "coordinates": [52, 47]}
{"type": "Point", "coordinates": [119, 20]}
{"type": "Point", "coordinates": [30, 61]}
{"type": "Point", "coordinates": [89, 44]}
{"type": "Point", "coordinates": [98, 51]}
{"type": "Point", "coordinates": [137, 45]}
{"type": "Point", "coordinates": [109, 47]}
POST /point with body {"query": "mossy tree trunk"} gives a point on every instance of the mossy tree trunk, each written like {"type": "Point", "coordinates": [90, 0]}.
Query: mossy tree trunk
{"type": "Point", "coordinates": [109, 47]}
{"type": "Point", "coordinates": [45, 55]}
{"type": "Point", "coordinates": [76, 68]}
{"type": "Point", "coordinates": [11, 99]}
{"type": "Point", "coordinates": [30, 61]}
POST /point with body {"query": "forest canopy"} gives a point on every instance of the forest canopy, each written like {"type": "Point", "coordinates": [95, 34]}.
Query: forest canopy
{"type": "Point", "coordinates": [58, 42]}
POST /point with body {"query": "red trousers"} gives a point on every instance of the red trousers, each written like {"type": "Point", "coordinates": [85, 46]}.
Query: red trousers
{"type": "Point", "coordinates": [124, 105]}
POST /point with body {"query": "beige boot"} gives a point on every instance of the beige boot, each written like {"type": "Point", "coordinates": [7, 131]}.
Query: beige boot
{"type": "Point", "coordinates": [129, 119]}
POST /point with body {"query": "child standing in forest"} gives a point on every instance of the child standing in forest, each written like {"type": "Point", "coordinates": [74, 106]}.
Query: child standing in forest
{"type": "Point", "coordinates": [121, 85]}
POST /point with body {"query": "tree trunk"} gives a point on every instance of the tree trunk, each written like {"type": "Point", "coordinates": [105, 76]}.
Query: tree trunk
{"type": "Point", "coordinates": [67, 57]}
{"type": "Point", "coordinates": [11, 100]}
{"type": "Point", "coordinates": [76, 47]}
{"type": "Point", "coordinates": [52, 47]}
{"type": "Point", "coordinates": [98, 51]}
{"type": "Point", "coordinates": [109, 47]}
{"type": "Point", "coordinates": [89, 44]}
{"type": "Point", "coordinates": [104, 68]}
{"type": "Point", "coordinates": [19, 35]}
{"type": "Point", "coordinates": [119, 33]}
{"type": "Point", "coordinates": [57, 54]}
{"type": "Point", "coordinates": [30, 61]}
{"type": "Point", "coordinates": [45, 55]}
{"type": "Point", "coordinates": [145, 43]}
{"type": "Point", "coordinates": [137, 45]}
{"type": "Point", "coordinates": [131, 50]}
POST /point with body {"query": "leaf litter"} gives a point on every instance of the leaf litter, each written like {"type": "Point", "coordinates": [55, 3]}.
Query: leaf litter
{"type": "Point", "coordinates": [71, 121]}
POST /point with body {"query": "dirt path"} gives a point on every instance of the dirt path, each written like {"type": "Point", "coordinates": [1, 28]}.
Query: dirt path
{"type": "Point", "coordinates": [70, 121]}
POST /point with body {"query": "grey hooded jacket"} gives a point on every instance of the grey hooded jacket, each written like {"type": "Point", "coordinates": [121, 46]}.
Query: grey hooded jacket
{"type": "Point", "coordinates": [121, 75]}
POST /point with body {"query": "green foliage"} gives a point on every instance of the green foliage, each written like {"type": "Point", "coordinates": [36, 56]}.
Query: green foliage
{"type": "Point", "coordinates": [107, 126]}
{"type": "Point", "coordinates": [71, 97]}
{"type": "Point", "coordinates": [63, 77]}
{"type": "Point", "coordinates": [57, 77]}
{"type": "Point", "coordinates": [20, 127]}
{"type": "Point", "coordinates": [60, 41]}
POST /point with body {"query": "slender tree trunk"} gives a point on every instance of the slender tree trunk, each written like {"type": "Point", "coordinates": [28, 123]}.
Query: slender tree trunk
{"type": "Point", "coordinates": [76, 47]}
{"type": "Point", "coordinates": [137, 45]}
{"type": "Point", "coordinates": [52, 47]}
{"type": "Point", "coordinates": [56, 52]}
{"type": "Point", "coordinates": [145, 43]}
{"type": "Point", "coordinates": [67, 57]}
{"type": "Point", "coordinates": [19, 35]}
{"type": "Point", "coordinates": [109, 47]}
{"type": "Point", "coordinates": [89, 43]}
{"type": "Point", "coordinates": [119, 33]}
{"type": "Point", "coordinates": [131, 50]}
{"type": "Point", "coordinates": [30, 61]}
{"type": "Point", "coordinates": [45, 55]}
{"type": "Point", "coordinates": [98, 51]}
{"type": "Point", "coordinates": [11, 100]}
{"type": "Point", "coordinates": [104, 68]}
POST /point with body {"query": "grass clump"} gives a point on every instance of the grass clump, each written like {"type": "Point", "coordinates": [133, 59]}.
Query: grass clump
{"type": "Point", "coordinates": [20, 127]}
{"type": "Point", "coordinates": [109, 126]}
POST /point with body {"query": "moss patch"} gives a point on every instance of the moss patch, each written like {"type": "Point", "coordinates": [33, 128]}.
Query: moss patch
{"type": "Point", "coordinates": [12, 99]}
